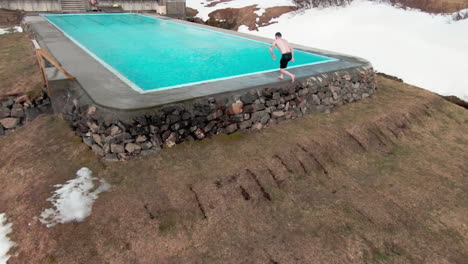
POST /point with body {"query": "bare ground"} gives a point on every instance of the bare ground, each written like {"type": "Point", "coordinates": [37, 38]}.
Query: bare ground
{"type": "Point", "coordinates": [10, 18]}
{"type": "Point", "coordinates": [19, 71]}
{"type": "Point", "coordinates": [247, 16]}
{"type": "Point", "coordinates": [383, 180]}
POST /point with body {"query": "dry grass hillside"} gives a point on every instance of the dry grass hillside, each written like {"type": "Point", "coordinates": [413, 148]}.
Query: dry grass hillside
{"type": "Point", "coordinates": [383, 180]}
{"type": "Point", "coordinates": [19, 71]}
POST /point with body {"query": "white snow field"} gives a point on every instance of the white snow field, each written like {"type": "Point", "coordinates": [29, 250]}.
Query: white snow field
{"type": "Point", "coordinates": [429, 51]}
{"type": "Point", "coordinates": [5, 242]}
{"type": "Point", "coordinates": [73, 201]}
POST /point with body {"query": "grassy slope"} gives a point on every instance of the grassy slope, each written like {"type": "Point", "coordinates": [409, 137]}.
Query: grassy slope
{"type": "Point", "coordinates": [19, 72]}
{"type": "Point", "coordinates": [379, 181]}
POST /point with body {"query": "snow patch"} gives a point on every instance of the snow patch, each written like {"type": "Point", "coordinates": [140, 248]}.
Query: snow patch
{"type": "Point", "coordinates": [5, 242]}
{"type": "Point", "coordinates": [11, 30]}
{"type": "Point", "coordinates": [73, 201]}
{"type": "Point", "coordinates": [203, 11]}
{"type": "Point", "coordinates": [429, 51]}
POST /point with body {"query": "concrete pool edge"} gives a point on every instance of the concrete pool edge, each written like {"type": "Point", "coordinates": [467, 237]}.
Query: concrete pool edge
{"type": "Point", "coordinates": [106, 90]}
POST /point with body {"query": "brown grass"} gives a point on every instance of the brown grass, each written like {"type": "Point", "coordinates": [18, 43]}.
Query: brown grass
{"type": "Point", "coordinates": [378, 181]}
{"type": "Point", "coordinates": [19, 71]}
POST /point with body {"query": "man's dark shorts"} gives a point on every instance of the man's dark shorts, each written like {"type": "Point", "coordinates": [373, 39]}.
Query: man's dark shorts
{"type": "Point", "coordinates": [285, 59]}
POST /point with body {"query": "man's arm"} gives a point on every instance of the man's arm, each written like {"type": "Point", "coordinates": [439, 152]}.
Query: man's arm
{"type": "Point", "coordinates": [292, 52]}
{"type": "Point", "coordinates": [271, 50]}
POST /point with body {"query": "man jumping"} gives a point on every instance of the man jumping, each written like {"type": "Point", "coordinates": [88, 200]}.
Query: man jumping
{"type": "Point", "coordinates": [288, 55]}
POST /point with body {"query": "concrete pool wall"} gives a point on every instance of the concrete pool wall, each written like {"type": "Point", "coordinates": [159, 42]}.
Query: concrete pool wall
{"type": "Point", "coordinates": [118, 123]}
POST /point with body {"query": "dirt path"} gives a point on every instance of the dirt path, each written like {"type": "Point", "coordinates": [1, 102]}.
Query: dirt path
{"type": "Point", "coordinates": [379, 181]}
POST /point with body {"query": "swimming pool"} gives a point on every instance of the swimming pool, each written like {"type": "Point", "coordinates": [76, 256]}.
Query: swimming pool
{"type": "Point", "coordinates": [152, 54]}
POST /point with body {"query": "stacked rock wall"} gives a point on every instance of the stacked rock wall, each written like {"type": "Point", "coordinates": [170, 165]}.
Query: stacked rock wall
{"type": "Point", "coordinates": [17, 110]}
{"type": "Point", "coordinates": [197, 119]}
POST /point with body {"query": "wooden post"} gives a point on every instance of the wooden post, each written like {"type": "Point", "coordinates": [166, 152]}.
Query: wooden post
{"type": "Point", "coordinates": [41, 54]}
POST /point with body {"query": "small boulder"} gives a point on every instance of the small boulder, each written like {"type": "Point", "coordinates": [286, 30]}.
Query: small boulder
{"type": "Point", "coordinates": [9, 122]}
{"type": "Point", "coordinates": [31, 113]}
{"type": "Point", "coordinates": [236, 108]}
{"type": "Point", "coordinates": [4, 112]}
{"type": "Point", "coordinates": [22, 98]}
{"type": "Point", "coordinates": [146, 145]}
{"type": "Point", "coordinates": [277, 114]}
{"type": "Point", "coordinates": [257, 126]}
{"type": "Point", "coordinates": [140, 139]}
{"type": "Point", "coordinates": [17, 112]}
{"type": "Point", "coordinates": [98, 150]}
{"type": "Point", "coordinates": [199, 134]}
{"type": "Point", "coordinates": [131, 147]}
{"type": "Point", "coordinates": [231, 128]}
{"type": "Point", "coordinates": [171, 140]}
{"type": "Point", "coordinates": [117, 148]}
{"type": "Point", "coordinates": [97, 138]}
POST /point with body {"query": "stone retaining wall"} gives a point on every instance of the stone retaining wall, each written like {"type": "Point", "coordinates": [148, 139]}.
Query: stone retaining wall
{"type": "Point", "coordinates": [17, 110]}
{"type": "Point", "coordinates": [197, 119]}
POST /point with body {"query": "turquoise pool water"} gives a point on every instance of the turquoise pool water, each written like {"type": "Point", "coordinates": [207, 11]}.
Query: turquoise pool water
{"type": "Point", "coordinates": [149, 53]}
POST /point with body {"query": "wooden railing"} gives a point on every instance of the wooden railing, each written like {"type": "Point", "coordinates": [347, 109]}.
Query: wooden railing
{"type": "Point", "coordinates": [42, 54]}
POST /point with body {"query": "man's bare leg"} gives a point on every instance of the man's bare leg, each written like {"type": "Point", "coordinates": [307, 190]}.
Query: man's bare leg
{"type": "Point", "coordinates": [284, 71]}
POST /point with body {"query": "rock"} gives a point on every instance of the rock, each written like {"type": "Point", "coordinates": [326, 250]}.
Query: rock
{"type": "Point", "coordinates": [110, 157]}
{"type": "Point", "coordinates": [303, 92]}
{"type": "Point", "coordinates": [91, 110]}
{"type": "Point", "coordinates": [22, 98]}
{"type": "Point", "coordinates": [245, 124]}
{"type": "Point", "coordinates": [31, 113]}
{"type": "Point", "coordinates": [130, 148]}
{"type": "Point", "coordinates": [154, 129]}
{"type": "Point", "coordinates": [149, 152]}
{"type": "Point", "coordinates": [315, 99]}
{"type": "Point", "coordinates": [257, 126]}
{"type": "Point", "coordinates": [106, 148]}
{"type": "Point", "coordinates": [139, 130]}
{"type": "Point", "coordinates": [140, 139]}
{"type": "Point", "coordinates": [235, 108]}
{"type": "Point", "coordinates": [2, 130]}
{"type": "Point", "coordinates": [214, 115]}
{"type": "Point", "coordinates": [199, 134]}
{"type": "Point", "coordinates": [248, 98]}
{"type": "Point", "coordinates": [236, 118]}
{"type": "Point", "coordinates": [257, 116]}
{"type": "Point", "coordinates": [88, 141]}
{"type": "Point", "coordinates": [118, 138]}
{"type": "Point", "coordinates": [97, 138]}
{"type": "Point", "coordinates": [265, 119]}
{"type": "Point", "coordinates": [231, 128]}
{"type": "Point", "coordinates": [277, 114]}
{"type": "Point", "coordinates": [116, 148]}
{"type": "Point", "coordinates": [186, 116]}
{"type": "Point", "coordinates": [98, 150]}
{"type": "Point", "coordinates": [8, 103]}
{"type": "Point", "coordinates": [254, 108]}
{"type": "Point", "coordinates": [4, 112]}
{"type": "Point", "coordinates": [171, 140]}
{"type": "Point", "coordinates": [9, 122]}
{"type": "Point", "coordinates": [171, 119]}
{"type": "Point", "coordinates": [93, 127]}
{"type": "Point", "coordinates": [365, 95]}
{"type": "Point", "coordinates": [115, 130]}
{"type": "Point", "coordinates": [146, 145]}
{"type": "Point", "coordinates": [271, 103]}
